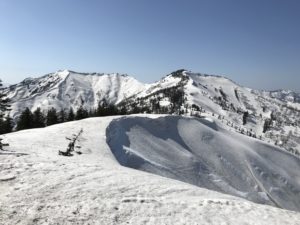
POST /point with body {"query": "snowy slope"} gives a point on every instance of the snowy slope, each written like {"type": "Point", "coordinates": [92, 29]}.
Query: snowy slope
{"type": "Point", "coordinates": [40, 187]}
{"type": "Point", "coordinates": [285, 95]}
{"type": "Point", "coordinates": [225, 98]}
{"type": "Point", "coordinates": [203, 153]}
{"type": "Point", "coordinates": [65, 89]}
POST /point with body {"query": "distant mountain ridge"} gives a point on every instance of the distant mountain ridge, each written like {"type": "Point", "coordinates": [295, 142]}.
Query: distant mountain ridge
{"type": "Point", "coordinates": [65, 89]}
{"type": "Point", "coordinates": [273, 116]}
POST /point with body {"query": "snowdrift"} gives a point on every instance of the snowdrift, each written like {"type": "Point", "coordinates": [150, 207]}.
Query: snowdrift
{"type": "Point", "coordinates": [201, 152]}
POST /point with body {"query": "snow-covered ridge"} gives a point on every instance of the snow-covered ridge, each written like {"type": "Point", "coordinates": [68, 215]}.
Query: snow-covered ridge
{"type": "Point", "coordinates": [40, 187]}
{"type": "Point", "coordinates": [66, 89]}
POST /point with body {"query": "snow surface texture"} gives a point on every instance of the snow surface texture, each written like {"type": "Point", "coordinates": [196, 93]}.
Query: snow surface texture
{"type": "Point", "coordinates": [201, 152]}
{"type": "Point", "coordinates": [37, 186]}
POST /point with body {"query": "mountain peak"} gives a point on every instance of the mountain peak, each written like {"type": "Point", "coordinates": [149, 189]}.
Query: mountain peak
{"type": "Point", "coordinates": [62, 73]}
{"type": "Point", "coordinates": [179, 73]}
{"type": "Point", "coordinates": [188, 73]}
{"type": "Point", "coordinates": [65, 71]}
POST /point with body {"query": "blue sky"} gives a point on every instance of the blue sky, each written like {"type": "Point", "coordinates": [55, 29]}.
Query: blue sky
{"type": "Point", "coordinates": [254, 42]}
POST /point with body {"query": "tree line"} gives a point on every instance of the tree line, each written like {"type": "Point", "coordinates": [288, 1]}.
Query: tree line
{"type": "Point", "coordinates": [38, 119]}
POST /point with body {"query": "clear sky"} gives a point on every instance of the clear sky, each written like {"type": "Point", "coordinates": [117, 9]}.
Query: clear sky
{"type": "Point", "coordinates": [254, 42]}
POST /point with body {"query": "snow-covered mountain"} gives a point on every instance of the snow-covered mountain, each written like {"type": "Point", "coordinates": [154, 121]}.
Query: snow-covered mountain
{"type": "Point", "coordinates": [65, 89]}
{"type": "Point", "coordinates": [285, 95]}
{"type": "Point", "coordinates": [39, 186]}
{"type": "Point", "coordinates": [272, 116]}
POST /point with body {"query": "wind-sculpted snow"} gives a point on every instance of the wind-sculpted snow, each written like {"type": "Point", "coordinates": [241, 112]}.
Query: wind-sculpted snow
{"type": "Point", "coordinates": [203, 153]}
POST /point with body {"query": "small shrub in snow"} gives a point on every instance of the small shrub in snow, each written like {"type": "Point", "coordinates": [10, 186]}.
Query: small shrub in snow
{"type": "Point", "coordinates": [2, 144]}
{"type": "Point", "coordinates": [72, 145]}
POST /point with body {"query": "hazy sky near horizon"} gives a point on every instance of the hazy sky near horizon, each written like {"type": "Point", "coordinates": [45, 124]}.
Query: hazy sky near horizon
{"type": "Point", "coordinates": [255, 43]}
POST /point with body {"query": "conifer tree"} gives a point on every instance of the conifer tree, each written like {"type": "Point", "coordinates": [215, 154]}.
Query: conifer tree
{"type": "Point", "coordinates": [245, 116]}
{"type": "Point", "coordinates": [38, 118]}
{"type": "Point", "coordinates": [267, 125]}
{"type": "Point", "coordinates": [102, 108]}
{"type": "Point", "coordinates": [71, 115]}
{"type": "Point", "coordinates": [92, 113]}
{"type": "Point", "coordinates": [123, 110]}
{"type": "Point", "coordinates": [105, 109]}
{"type": "Point", "coordinates": [4, 101]}
{"type": "Point", "coordinates": [25, 120]}
{"type": "Point", "coordinates": [51, 117]}
{"type": "Point", "coordinates": [8, 125]}
{"type": "Point", "coordinates": [2, 126]}
{"type": "Point", "coordinates": [62, 117]}
{"type": "Point", "coordinates": [81, 113]}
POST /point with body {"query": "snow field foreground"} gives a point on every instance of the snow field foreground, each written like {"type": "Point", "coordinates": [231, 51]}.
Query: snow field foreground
{"type": "Point", "coordinates": [37, 186]}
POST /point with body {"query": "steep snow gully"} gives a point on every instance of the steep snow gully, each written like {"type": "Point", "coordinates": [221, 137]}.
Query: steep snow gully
{"type": "Point", "coordinates": [201, 152]}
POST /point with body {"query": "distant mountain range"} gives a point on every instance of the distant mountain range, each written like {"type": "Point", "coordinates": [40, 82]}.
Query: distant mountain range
{"type": "Point", "coordinates": [272, 116]}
